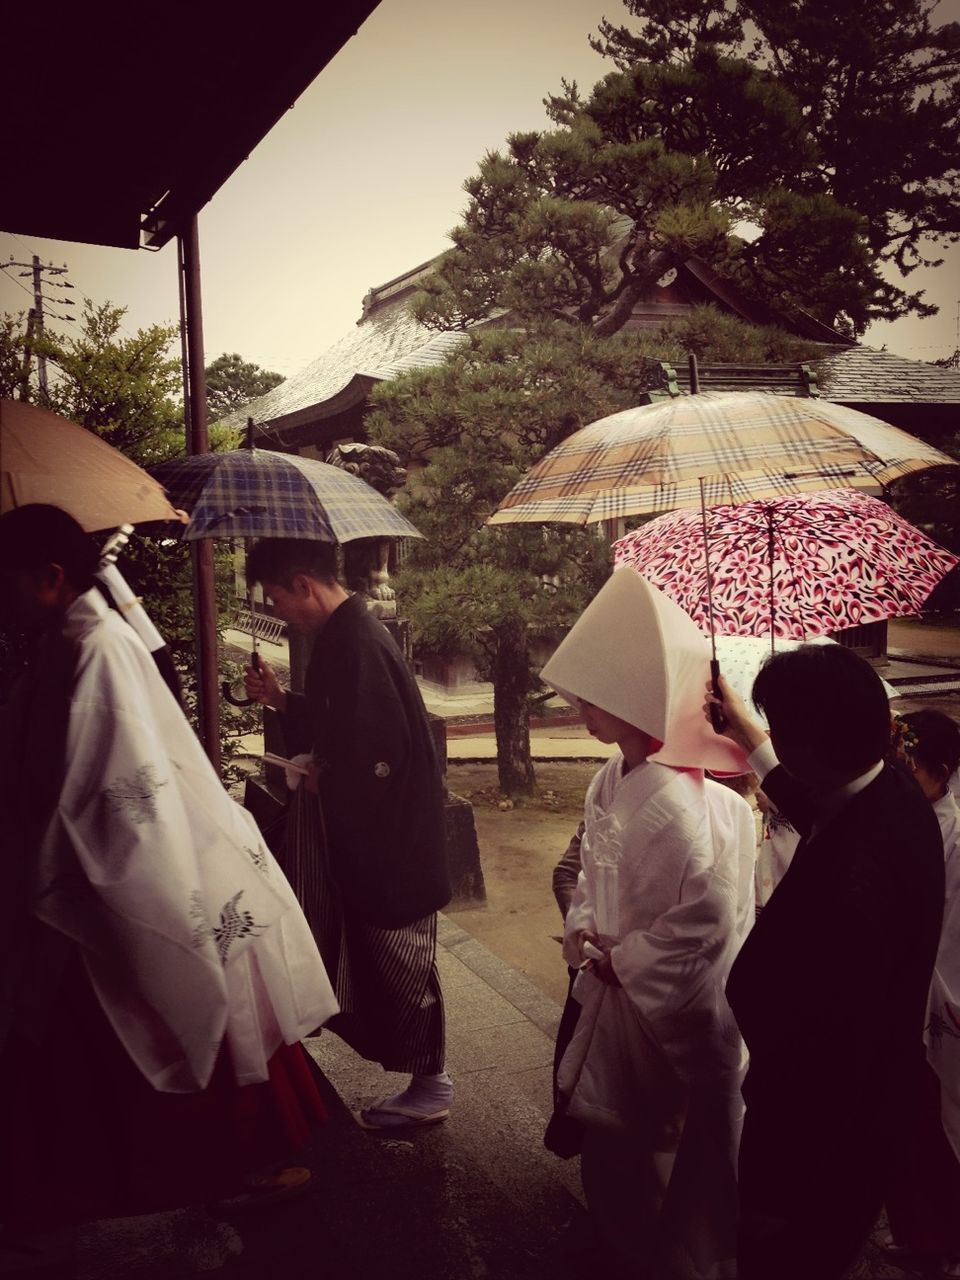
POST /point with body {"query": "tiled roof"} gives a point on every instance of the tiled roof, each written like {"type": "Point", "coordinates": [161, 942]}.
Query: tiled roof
{"type": "Point", "coordinates": [867, 376]}
{"type": "Point", "coordinates": [387, 342]}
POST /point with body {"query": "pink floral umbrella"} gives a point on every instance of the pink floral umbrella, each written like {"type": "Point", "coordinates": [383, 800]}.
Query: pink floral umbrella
{"type": "Point", "coordinates": [790, 567]}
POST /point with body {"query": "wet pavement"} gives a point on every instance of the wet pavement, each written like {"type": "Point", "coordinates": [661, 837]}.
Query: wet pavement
{"type": "Point", "coordinates": [476, 1198]}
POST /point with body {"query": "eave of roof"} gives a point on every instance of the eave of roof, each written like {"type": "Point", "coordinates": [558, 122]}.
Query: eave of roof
{"type": "Point", "coordinates": [135, 119]}
{"type": "Point", "coordinates": [383, 346]}
{"type": "Point", "coordinates": [388, 341]}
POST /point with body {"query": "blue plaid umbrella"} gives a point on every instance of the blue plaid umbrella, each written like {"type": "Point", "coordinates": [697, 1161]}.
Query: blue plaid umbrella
{"type": "Point", "coordinates": [259, 493]}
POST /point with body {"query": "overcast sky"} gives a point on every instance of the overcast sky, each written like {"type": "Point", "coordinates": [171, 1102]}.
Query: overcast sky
{"type": "Point", "coordinates": [362, 180]}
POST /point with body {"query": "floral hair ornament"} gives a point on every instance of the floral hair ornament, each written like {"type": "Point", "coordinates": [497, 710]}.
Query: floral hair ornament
{"type": "Point", "coordinates": [903, 737]}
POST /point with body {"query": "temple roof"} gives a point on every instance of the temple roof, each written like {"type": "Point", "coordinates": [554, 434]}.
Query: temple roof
{"type": "Point", "coordinates": [387, 341]}
{"type": "Point", "coordinates": [866, 375]}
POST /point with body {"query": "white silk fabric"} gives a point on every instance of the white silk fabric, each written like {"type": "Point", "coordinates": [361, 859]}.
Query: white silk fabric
{"type": "Point", "coordinates": [189, 931]}
{"type": "Point", "coordinates": [636, 654]}
{"type": "Point", "coordinates": [667, 883]}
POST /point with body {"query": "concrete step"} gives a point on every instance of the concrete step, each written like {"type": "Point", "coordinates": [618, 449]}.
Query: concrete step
{"type": "Point", "coordinates": [477, 1196]}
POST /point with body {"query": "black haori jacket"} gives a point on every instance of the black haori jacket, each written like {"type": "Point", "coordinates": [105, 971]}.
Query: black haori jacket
{"type": "Point", "coordinates": [381, 793]}
{"type": "Point", "coordinates": [830, 987]}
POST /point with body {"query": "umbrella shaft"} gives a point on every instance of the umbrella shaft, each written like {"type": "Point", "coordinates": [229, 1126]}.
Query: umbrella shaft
{"type": "Point", "coordinates": [706, 565]}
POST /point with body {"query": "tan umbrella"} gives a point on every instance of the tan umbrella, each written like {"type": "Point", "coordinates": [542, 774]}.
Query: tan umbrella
{"type": "Point", "coordinates": [46, 458]}
{"type": "Point", "coordinates": [714, 448]}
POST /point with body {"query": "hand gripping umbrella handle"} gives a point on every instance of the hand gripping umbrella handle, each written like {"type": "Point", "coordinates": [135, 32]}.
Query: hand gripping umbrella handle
{"type": "Point", "coordinates": [228, 694]}
{"type": "Point", "coordinates": [717, 718]}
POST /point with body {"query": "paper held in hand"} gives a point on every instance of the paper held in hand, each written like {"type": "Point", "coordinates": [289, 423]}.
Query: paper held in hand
{"type": "Point", "coordinates": [268, 757]}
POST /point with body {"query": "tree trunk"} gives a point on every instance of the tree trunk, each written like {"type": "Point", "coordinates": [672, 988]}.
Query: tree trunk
{"type": "Point", "coordinates": [511, 711]}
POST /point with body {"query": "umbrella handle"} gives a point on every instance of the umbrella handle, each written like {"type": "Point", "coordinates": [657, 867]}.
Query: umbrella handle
{"type": "Point", "coordinates": [717, 718]}
{"type": "Point", "coordinates": [227, 691]}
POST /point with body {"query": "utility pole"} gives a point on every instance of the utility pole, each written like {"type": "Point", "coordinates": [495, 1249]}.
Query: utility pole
{"type": "Point", "coordinates": [38, 320]}
{"type": "Point", "coordinates": [35, 320]}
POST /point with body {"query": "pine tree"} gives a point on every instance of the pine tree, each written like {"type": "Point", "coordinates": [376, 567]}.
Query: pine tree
{"type": "Point", "coordinates": [878, 86]}
{"type": "Point", "coordinates": [479, 421]}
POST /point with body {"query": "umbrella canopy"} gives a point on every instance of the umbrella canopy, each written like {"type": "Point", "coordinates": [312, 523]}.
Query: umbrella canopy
{"type": "Point", "coordinates": [46, 458]}
{"type": "Point", "coordinates": [790, 567]}
{"type": "Point", "coordinates": [716, 447]}
{"type": "Point", "coordinates": [741, 658]}
{"type": "Point", "coordinates": [258, 493]}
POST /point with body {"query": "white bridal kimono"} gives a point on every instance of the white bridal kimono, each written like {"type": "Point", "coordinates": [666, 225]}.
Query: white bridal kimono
{"type": "Point", "coordinates": [942, 1031]}
{"type": "Point", "coordinates": [188, 929]}
{"type": "Point", "coordinates": [654, 1067]}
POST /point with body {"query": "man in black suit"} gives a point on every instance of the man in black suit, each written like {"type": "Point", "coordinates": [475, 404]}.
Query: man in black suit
{"type": "Point", "coordinates": [366, 849]}
{"type": "Point", "coordinates": [829, 989]}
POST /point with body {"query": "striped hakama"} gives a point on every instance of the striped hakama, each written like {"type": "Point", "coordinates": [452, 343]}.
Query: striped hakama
{"type": "Point", "coordinates": [386, 980]}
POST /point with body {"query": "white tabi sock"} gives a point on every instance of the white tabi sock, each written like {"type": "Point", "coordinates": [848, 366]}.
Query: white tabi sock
{"type": "Point", "coordinates": [424, 1096]}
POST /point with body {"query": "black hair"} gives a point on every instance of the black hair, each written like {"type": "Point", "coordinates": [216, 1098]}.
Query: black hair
{"type": "Point", "coordinates": [829, 700]}
{"type": "Point", "coordinates": [279, 560]}
{"type": "Point", "coordinates": [36, 536]}
{"type": "Point", "coordinates": [937, 743]}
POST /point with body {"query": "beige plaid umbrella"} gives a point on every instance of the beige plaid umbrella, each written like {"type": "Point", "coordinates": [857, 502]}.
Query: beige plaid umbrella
{"type": "Point", "coordinates": [710, 449]}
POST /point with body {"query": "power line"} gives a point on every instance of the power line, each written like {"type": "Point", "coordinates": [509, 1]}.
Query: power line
{"type": "Point", "coordinates": [35, 320]}
{"type": "Point", "coordinates": [13, 280]}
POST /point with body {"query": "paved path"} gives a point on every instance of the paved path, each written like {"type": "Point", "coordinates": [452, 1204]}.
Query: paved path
{"type": "Point", "coordinates": [477, 1198]}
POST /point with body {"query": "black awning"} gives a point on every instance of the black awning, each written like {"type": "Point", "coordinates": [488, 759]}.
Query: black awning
{"type": "Point", "coordinates": [119, 119]}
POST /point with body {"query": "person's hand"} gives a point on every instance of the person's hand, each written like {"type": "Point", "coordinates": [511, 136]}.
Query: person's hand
{"type": "Point", "coordinates": [585, 936]}
{"type": "Point", "coordinates": [600, 966]}
{"type": "Point", "coordinates": [263, 686]}
{"type": "Point", "coordinates": [740, 726]}
{"type": "Point", "coordinates": [603, 969]}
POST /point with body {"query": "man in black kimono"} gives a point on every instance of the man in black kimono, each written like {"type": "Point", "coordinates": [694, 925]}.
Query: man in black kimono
{"type": "Point", "coordinates": [366, 847]}
{"type": "Point", "coordinates": [829, 989]}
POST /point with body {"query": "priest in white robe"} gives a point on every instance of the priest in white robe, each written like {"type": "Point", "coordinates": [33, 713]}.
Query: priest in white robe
{"type": "Point", "coordinates": [157, 972]}
{"type": "Point", "coordinates": [664, 899]}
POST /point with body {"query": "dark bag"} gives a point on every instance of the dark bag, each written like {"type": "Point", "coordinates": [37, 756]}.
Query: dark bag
{"type": "Point", "coordinates": [270, 815]}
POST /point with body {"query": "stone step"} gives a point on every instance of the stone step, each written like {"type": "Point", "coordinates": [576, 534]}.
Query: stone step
{"type": "Point", "coordinates": [479, 1195]}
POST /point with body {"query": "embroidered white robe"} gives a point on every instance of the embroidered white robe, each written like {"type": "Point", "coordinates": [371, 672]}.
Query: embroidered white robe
{"type": "Point", "coordinates": [188, 929]}
{"type": "Point", "coordinates": [667, 883]}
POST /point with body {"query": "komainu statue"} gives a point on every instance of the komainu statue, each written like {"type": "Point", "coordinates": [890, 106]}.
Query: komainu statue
{"type": "Point", "coordinates": [366, 561]}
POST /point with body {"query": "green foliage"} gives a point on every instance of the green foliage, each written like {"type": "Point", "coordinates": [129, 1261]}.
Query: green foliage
{"type": "Point", "coordinates": [878, 88]}
{"type": "Point", "coordinates": [830, 131]}
{"type": "Point", "coordinates": [500, 401]}
{"type": "Point", "coordinates": [127, 389]}
{"type": "Point", "coordinates": [497, 403]}
{"type": "Point", "coordinates": [233, 382]}
{"type": "Point", "coordinates": [13, 352]}
{"type": "Point", "coordinates": [122, 387]}
{"type": "Point", "coordinates": [719, 337]}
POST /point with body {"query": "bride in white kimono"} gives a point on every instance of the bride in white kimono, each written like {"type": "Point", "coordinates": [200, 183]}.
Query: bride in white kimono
{"type": "Point", "coordinates": [663, 902]}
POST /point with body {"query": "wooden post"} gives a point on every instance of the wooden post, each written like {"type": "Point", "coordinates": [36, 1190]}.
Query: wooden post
{"type": "Point", "coordinates": [198, 441]}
